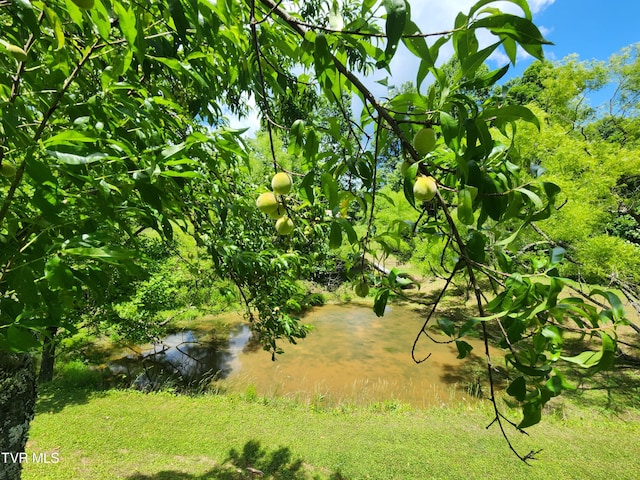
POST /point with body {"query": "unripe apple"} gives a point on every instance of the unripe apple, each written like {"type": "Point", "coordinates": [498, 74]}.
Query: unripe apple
{"type": "Point", "coordinates": [16, 52]}
{"type": "Point", "coordinates": [267, 203]}
{"type": "Point", "coordinates": [84, 4]}
{"type": "Point", "coordinates": [424, 141]}
{"type": "Point", "coordinates": [404, 167]}
{"type": "Point", "coordinates": [281, 183]}
{"type": "Point", "coordinates": [424, 189]}
{"type": "Point", "coordinates": [280, 211]}
{"type": "Point", "coordinates": [7, 169]}
{"type": "Point", "coordinates": [362, 288]}
{"type": "Point", "coordinates": [284, 226]}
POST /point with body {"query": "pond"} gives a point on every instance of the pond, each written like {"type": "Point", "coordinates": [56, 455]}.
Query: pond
{"type": "Point", "coordinates": [351, 355]}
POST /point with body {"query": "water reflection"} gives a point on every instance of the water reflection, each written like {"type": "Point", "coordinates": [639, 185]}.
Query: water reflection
{"type": "Point", "coordinates": [185, 359]}
{"type": "Point", "coordinates": [351, 355]}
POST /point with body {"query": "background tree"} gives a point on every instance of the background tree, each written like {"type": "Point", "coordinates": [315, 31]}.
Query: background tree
{"type": "Point", "coordinates": [591, 152]}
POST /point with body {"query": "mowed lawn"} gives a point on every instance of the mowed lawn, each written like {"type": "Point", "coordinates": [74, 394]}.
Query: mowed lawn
{"type": "Point", "coordinates": [120, 434]}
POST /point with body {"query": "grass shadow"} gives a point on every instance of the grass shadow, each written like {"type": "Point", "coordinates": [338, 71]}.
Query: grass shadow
{"type": "Point", "coordinates": [252, 462]}
{"type": "Point", "coordinates": [54, 397]}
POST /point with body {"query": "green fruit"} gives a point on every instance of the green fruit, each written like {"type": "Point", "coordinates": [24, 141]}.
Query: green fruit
{"type": "Point", "coordinates": [267, 203]}
{"type": "Point", "coordinates": [424, 141]}
{"type": "Point", "coordinates": [362, 288]}
{"type": "Point", "coordinates": [281, 183]}
{"type": "Point", "coordinates": [7, 169]}
{"type": "Point", "coordinates": [424, 189]}
{"type": "Point", "coordinates": [84, 4]}
{"type": "Point", "coordinates": [17, 52]}
{"type": "Point", "coordinates": [280, 211]}
{"type": "Point", "coordinates": [284, 226]}
{"type": "Point", "coordinates": [404, 167]}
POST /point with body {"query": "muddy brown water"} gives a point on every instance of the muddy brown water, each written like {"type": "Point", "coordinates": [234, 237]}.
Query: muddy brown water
{"type": "Point", "coordinates": [350, 356]}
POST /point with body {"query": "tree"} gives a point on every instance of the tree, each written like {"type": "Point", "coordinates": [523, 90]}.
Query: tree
{"type": "Point", "coordinates": [101, 120]}
{"type": "Point", "coordinates": [99, 138]}
{"type": "Point", "coordinates": [592, 153]}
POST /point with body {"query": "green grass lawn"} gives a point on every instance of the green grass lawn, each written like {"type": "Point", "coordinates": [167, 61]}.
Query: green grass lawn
{"type": "Point", "coordinates": [117, 434]}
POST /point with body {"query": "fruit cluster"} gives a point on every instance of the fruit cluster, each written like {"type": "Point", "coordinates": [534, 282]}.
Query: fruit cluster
{"type": "Point", "coordinates": [424, 188]}
{"type": "Point", "coordinates": [272, 203]}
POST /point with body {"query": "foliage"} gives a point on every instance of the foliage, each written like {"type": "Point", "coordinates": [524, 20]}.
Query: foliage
{"type": "Point", "coordinates": [596, 170]}
{"type": "Point", "coordinates": [102, 122]}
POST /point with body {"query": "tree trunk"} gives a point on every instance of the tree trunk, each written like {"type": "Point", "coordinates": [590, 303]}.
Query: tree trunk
{"type": "Point", "coordinates": [17, 406]}
{"type": "Point", "coordinates": [48, 356]}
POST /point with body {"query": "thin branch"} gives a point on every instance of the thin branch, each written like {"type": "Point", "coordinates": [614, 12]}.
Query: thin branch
{"type": "Point", "coordinates": [360, 33]}
{"type": "Point", "coordinates": [269, 13]}
{"type": "Point", "coordinates": [265, 103]}
{"type": "Point", "coordinates": [365, 241]}
{"type": "Point", "coordinates": [423, 330]}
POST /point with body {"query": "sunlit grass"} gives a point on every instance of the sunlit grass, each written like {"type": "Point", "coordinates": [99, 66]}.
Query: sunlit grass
{"type": "Point", "coordinates": [131, 435]}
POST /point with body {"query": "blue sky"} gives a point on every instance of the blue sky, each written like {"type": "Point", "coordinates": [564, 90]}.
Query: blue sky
{"type": "Point", "coordinates": [592, 29]}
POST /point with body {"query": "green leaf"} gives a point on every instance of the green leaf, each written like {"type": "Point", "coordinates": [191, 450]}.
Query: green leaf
{"type": "Point", "coordinates": [71, 159]}
{"type": "Point", "coordinates": [465, 206]}
{"type": "Point", "coordinates": [100, 17]}
{"type": "Point", "coordinates": [521, 3]}
{"type": "Point", "coordinates": [58, 29]}
{"type": "Point", "coordinates": [25, 12]}
{"type": "Point", "coordinates": [463, 348]}
{"type": "Point", "coordinates": [586, 359]}
{"type": "Point", "coordinates": [557, 383]}
{"type": "Point", "coordinates": [172, 150]}
{"type": "Point", "coordinates": [475, 246]}
{"type": "Point", "coordinates": [182, 174]}
{"type": "Point", "coordinates": [520, 29]}
{"type": "Point", "coordinates": [307, 186]}
{"type": "Point", "coordinates": [21, 339]}
{"type": "Point", "coordinates": [127, 23]}
{"type": "Point", "coordinates": [335, 235]}
{"type": "Point", "coordinates": [541, 371]}
{"type": "Point", "coordinates": [394, 27]}
{"type": "Point", "coordinates": [330, 189]}
{"type": "Point", "coordinates": [109, 255]}
{"type": "Point", "coordinates": [69, 137]}
{"type": "Point", "coordinates": [179, 18]}
{"type": "Point", "coordinates": [296, 137]}
{"type": "Point", "coordinates": [467, 327]}
{"type": "Point", "coordinates": [510, 113]}
{"type": "Point", "coordinates": [447, 326]}
{"type": "Point", "coordinates": [74, 12]}
{"type": "Point", "coordinates": [450, 130]}
{"type": "Point", "coordinates": [532, 414]}
{"type": "Point", "coordinates": [535, 199]}
{"type": "Point", "coordinates": [518, 389]}
{"type": "Point", "coordinates": [380, 304]}
{"type": "Point", "coordinates": [614, 301]}
{"type": "Point", "coordinates": [409, 179]}
{"type": "Point", "coordinates": [321, 54]}
{"type": "Point", "coordinates": [556, 255]}
{"type": "Point", "coordinates": [352, 236]}
{"type": "Point", "coordinates": [58, 274]}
